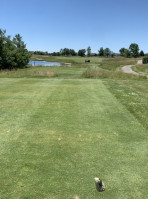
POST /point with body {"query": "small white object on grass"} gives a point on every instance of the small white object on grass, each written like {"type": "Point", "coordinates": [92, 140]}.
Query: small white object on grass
{"type": "Point", "coordinates": [76, 197]}
{"type": "Point", "coordinates": [99, 185]}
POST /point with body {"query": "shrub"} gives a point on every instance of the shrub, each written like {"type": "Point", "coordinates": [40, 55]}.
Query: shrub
{"type": "Point", "coordinates": [145, 60]}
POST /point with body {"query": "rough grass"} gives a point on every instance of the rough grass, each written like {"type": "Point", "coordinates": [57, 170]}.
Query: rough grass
{"type": "Point", "coordinates": [111, 69]}
{"type": "Point", "coordinates": [97, 73]}
{"type": "Point", "coordinates": [142, 69]}
{"type": "Point", "coordinates": [44, 72]}
{"type": "Point", "coordinates": [115, 65]}
{"type": "Point", "coordinates": [57, 135]}
{"type": "Point", "coordinates": [27, 72]}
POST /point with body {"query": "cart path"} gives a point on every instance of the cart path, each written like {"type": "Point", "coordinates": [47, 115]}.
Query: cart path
{"type": "Point", "coordinates": [128, 68]}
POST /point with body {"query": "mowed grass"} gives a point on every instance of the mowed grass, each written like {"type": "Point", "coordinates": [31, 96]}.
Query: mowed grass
{"type": "Point", "coordinates": [56, 135]}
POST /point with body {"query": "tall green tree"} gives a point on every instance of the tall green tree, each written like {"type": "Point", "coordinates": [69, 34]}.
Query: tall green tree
{"type": "Point", "coordinates": [22, 55]}
{"type": "Point", "coordinates": [141, 53]}
{"type": "Point", "coordinates": [72, 52]}
{"type": "Point", "coordinates": [13, 53]}
{"type": "Point", "coordinates": [67, 51]}
{"type": "Point", "coordinates": [82, 52]}
{"type": "Point", "coordinates": [7, 51]}
{"type": "Point", "coordinates": [101, 52]}
{"type": "Point", "coordinates": [10, 52]}
{"type": "Point", "coordinates": [112, 54]}
{"type": "Point", "coordinates": [127, 53]}
{"type": "Point", "coordinates": [2, 46]}
{"type": "Point", "coordinates": [107, 52]}
{"type": "Point", "coordinates": [88, 51]}
{"type": "Point", "coordinates": [39, 52]}
{"type": "Point", "coordinates": [134, 49]}
{"type": "Point", "coordinates": [122, 51]}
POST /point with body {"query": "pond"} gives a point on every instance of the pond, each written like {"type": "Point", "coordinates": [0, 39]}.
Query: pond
{"type": "Point", "coordinates": [44, 63]}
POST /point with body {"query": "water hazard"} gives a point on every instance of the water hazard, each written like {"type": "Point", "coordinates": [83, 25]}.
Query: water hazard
{"type": "Point", "coordinates": [44, 63]}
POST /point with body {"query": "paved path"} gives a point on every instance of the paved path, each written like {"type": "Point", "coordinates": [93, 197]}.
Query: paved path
{"type": "Point", "coordinates": [139, 62]}
{"type": "Point", "coordinates": [128, 68]}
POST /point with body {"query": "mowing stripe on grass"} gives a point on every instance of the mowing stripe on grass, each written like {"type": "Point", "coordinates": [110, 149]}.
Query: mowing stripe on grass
{"type": "Point", "coordinates": [57, 135]}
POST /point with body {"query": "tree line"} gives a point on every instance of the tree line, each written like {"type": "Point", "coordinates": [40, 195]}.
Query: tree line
{"type": "Point", "coordinates": [132, 51]}
{"type": "Point", "coordinates": [13, 52]}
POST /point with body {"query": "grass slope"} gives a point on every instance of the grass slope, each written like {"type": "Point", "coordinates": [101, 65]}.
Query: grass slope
{"type": "Point", "coordinates": [56, 135]}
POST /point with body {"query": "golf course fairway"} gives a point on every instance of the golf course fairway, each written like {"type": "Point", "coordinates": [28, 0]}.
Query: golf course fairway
{"type": "Point", "coordinates": [57, 135]}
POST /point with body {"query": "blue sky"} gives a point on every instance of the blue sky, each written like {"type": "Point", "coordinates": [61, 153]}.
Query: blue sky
{"type": "Point", "coordinates": [50, 25]}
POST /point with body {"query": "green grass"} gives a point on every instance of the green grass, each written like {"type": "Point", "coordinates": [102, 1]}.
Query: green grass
{"type": "Point", "coordinates": [100, 73]}
{"type": "Point", "coordinates": [97, 68]}
{"type": "Point", "coordinates": [45, 72]}
{"type": "Point", "coordinates": [64, 59]}
{"type": "Point", "coordinates": [142, 69]}
{"type": "Point", "coordinates": [132, 94]}
{"type": "Point", "coordinates": [111, 69]}
{"type": "Point", "coordinates": [58, 133]}
{"type": "Point", "coordinates": [116, 65]}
